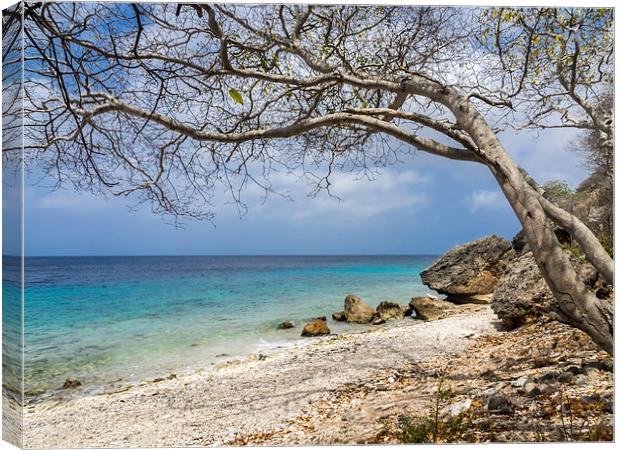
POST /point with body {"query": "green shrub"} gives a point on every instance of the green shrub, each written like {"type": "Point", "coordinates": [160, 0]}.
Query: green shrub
{"type": "Point", "coordinates": [558, 189]}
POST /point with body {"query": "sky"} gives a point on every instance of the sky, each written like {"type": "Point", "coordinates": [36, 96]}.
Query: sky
{"type": "Point", "coordinates": [424, 205]}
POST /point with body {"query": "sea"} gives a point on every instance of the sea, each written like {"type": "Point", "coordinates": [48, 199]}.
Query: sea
{"type": "Point", "coordinates": [111, 322]}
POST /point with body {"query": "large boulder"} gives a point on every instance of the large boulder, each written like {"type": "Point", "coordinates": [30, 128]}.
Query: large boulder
{"type": "Point", "coordinates": [427, 308]}
{"type": "Point", "coordinates": [356, 310]}
{"type": "Point", "coordinates": [390, 311]}
{"type": "Point", "coordinates": [468, 273]}
{"type": "Point", "coordinates": [521, 293]}
{"type": "Point", "coordinates": [316, 327]}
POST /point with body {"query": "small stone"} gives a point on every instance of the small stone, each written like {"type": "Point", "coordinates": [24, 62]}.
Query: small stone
{"type": "Point", "coordinates": [285, 325]}
{"type": "Point", "coordinates": [498, 403]}
{"type": "Point", "coordinates": [520, 382]}
{"type": "Point", "coordinates": [459, 408]}
{"type": "Point", "coordinates": [71, 383]}
{"type": "Point", "coordinates": [565, 377]}
{"type": "Point", "coordinates": [172, 376]}
{"type": "Point", "coordinates": [549, 377]}
{"type": "Point", "coordinates": [377, 321]}
{"type": "Point", "coordinates": [580, 380]}
{"type": "Point", "coordinates": [391, 380]}
{"type": "Point", "coordinates": [157, 380]}
{"type": "Point", "coordinates": [531, 390]}
{"type": "Point", "coordinates": [546, 388]}
{"type": "Point", "coordinates": [339, 316]}
{"type": "Point", "coordinates": [316, 327]}
{"type": "Point", "coordinates": [588, 399]}
{"type": "Point", "coordinates": [262, 357]}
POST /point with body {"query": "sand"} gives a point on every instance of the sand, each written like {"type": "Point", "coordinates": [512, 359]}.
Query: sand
{"type": "Point", "coordinates": [245, 398]}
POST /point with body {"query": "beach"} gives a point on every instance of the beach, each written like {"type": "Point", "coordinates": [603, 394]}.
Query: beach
{"type": "Point", "coordinates": [262, 394]}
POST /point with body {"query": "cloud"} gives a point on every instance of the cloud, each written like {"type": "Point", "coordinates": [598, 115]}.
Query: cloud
{"type": "Point", "coordinates": [72, 201]}
{"type": "Point", "coordinates": [484, 199]}
{"type": "Point", "coordinates": [352, 197]}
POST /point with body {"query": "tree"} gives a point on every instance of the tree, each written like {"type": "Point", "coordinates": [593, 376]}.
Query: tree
{"type": "Point", "coordinates": [166, 102]}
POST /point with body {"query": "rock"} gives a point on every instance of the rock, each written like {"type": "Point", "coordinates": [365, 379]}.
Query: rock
{"type": "Point", "coordinates": [497, 403]}
{"type": "Point", "coordinates": [531, 390]}
{"type": "Point", "coordinates": [605, 366]}
{"type": "Point", "coordinates": [565, 377]}
{"type": "Point", "coordinates": [71, 383]}
{"type": "Point", "coordinates": [546, 388]}
{"type": "Point", "coordinates": [589, 399]}
{"type": "Point", "coordinates": [520, 382]}
{"type": "Point", "coordinates": [519, 243]}
{"type": "Point", "coordinates": [521, 293]}
{"type": "Point", "coordinates": [172, 376]}
{"type": "Point", "coordinates": [549, 377]}
{"type": "Point", "coordinates": [323, 318]}
{"type": "Point", "coordinates": [426, 308]}
{"type": "Point", "coordinates": [377, 321]}
{"type": "Point", "coordinates": [356, 310]}
{"type": "Point", "coordinates": [580, 380]}
{"type": "Point", "coordinates": [459, 408]}
{"type": "Point", "coordinates": [390, 311]}
{"type": "Point", "coordinates": [468, 273]}
{"type": "Point", "coordinates": [316, 327]}
{"type": "Point", "coordinates": [339, 316]}
{"type": "Point", "coordinates": [285, 325]}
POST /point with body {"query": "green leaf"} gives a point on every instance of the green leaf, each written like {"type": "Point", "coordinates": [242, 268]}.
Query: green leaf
{"type": "Point", "coordinates": [236, 95]}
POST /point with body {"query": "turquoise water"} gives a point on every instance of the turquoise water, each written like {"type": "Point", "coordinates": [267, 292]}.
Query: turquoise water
{"type": "Point", "coordinates": [112, 321]}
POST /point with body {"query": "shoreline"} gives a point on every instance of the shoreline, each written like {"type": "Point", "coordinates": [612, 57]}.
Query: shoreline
{"type": "Point", "coordinates": [251, 396]}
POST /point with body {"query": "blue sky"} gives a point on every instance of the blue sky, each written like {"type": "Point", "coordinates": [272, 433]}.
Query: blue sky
{"type": "Point", "coordinates": [425, 205]}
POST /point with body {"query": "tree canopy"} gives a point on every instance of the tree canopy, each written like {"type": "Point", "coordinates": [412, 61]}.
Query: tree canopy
{"type": "Point", "coordinates": [169, 101]}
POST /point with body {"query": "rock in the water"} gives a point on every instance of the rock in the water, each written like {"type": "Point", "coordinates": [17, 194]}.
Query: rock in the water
{"type": "Point", "coordinates": [339, 316]}
{"type": "Point", "coordinates": [521, 293]}
{"type": "Point", "coordinates": [71, 383]}
{"type": "Point", "coordinates": [316, 327]}
{"type": "Point", "coordinates": [356, 310]}
{"type": "Point", "coordinates": [468, 273]}
{"type": "Point", "coordinates": [285, 325]}
{"type": "Point", "coordinates": [390, 311]}
{"type": "Point", "coordinates": [426, 308]}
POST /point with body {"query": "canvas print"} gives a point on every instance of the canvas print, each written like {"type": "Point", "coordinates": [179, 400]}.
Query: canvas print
{"type": "Point", "coordinates": [229, 224]}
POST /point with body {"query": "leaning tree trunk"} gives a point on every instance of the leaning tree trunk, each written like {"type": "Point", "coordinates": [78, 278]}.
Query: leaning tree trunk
{"type": "Point", "coordinates": [577, 304]}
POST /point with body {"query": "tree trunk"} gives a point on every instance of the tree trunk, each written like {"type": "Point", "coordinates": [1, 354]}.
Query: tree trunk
{"type": "Point", "coordinates": [577, 303]}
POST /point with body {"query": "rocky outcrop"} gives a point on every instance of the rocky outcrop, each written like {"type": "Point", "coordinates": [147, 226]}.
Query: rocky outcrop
{"type": "Point", "coordinates": [427, 308]}
{"type": "Point", "coordinates": [356, 310]}
{"type": "Point", "coordinates": [316, 327]}
{"type": "Point", "coordinates": [521, 293]}
{"type": "Point", "coordinates": [592, 203]}
{"type": "Point", "coordinates": [469, 273]}
{"type": "Point", "coordinates": [390, 311]}
{"type": "Point", "coordinates": [285, 325]}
